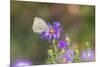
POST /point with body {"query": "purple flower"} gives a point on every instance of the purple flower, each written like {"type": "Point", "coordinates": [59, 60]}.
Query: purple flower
{"type": "Point", "coordinates": [87, 55]}
{"type": "Point", "coordinates": [22, 62]}
{"type": "Point", "coordinates": [69, 55]}
{"type": "Point", "coordinates": [53, 32]}
{"type": "Point", "coordinates": [62, 44]}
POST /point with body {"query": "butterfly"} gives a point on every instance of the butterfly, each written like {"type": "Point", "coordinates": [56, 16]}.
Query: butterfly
{"type": "Point", "coordinates": [39, 25]}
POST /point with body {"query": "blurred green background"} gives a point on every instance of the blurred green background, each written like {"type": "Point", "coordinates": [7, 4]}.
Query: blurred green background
{"type": "Point", "coordinates": [78, 22]}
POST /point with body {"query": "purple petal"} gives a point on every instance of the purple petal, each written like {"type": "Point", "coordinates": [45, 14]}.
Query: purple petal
{"type": "Point", "coordinates": [54, 35]}
{"type": "Point", "coordinates": [56, 25]}
{"type": "Point", "coordinates": [69, 55]}
{"type": "Point", "coordinates": [49, 38]}
{"type": "Point", "coordinates": [58, 34]}
{"type": "Point", "coordinates": [22, 62]}
{"type": "Point", "coordinates": [62, 44]}
{"type": "Point", "coordinates": [50, 26]}
{"type": "Point", "coordinates": [87, 55]}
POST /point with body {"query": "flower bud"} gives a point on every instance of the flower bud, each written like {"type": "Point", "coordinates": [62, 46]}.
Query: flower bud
{"type": "Point", "coordinates": [50, 52]}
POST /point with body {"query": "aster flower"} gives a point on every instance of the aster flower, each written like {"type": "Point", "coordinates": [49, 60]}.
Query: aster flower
{"type": "Point", "coordinates": [87, 55]}
{"type": "Point", "coordinates": [69, 55]}
{"type": "Point", "coordinates": [22, 62]}
{"type": "Point", "coordinates": [62, 44]}
{"type": "Point", "coordinates": [53, 32]}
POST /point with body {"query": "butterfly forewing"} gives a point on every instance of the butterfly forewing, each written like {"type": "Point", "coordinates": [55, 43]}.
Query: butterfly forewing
{"type": "Point", "coordinates": [39, 25]}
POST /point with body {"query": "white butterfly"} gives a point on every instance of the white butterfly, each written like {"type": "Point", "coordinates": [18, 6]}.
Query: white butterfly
{"type": "Point", "coordinates": [39, 25]}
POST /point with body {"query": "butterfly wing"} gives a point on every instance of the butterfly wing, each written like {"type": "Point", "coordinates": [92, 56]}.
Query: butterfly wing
{"type": "Point", "coordinates": [39, 25]}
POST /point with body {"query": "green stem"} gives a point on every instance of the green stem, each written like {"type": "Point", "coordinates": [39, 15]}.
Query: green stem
{"type": "Point", "coordinates": [55, 50]}
{"type": "Point", "coordinates": [53, 60]}
{"type": "Point", "coordinates": [76, 59]}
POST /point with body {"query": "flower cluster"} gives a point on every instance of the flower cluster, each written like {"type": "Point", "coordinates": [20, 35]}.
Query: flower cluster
{"type": "Point", "coordinates": [59, 46]}
{"type": "Point", "coordinates": [59, 51]}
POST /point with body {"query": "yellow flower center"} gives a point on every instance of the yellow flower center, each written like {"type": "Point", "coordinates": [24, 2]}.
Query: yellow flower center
{"type": "Point", "coordinates": [51, 31]}
{"type": "Point", "coordinates": [64, 60]}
